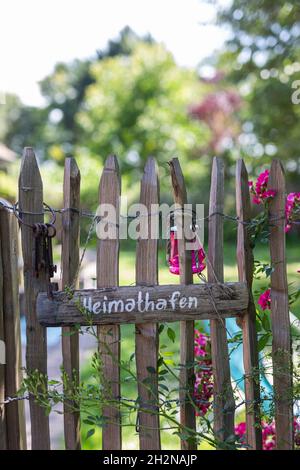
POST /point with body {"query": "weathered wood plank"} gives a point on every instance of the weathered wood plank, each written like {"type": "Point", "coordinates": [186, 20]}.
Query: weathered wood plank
{"type": "Point", "coordinates": [281, 346]}
{"type": "Point", "coordinates": [15, 417]}
{"type": "Point", "coordinates": [31, 200]}
{"type": "Point", "coordinates": [245, 262]}
{"type": "Point", "coordinates": [3, 437]}
{"type": "Point", "coordinates": [230, 299]}
{"type": "Point", "coordinates": [108, 276]}
{"type": "Point", "coordinates": [223, 395]}
{"type": "Point", "coordinates": [146, 338]}
{"type": "Point", "coordinates": [187, 334]}
{"type": "Point", "coordinates": [69, 263]}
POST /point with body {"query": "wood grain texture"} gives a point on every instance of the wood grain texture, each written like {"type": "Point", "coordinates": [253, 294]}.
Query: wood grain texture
{"type": "Point", "coordinates": [146, 337]}
{"type": "Point", "coordinates": [230, 299]}
{"type": "Point", "coordinates": [3, 437]}
{"type": "Point", "coordinates": [15, 417]}
{"type": "Point", "coordinates": [31, 200]}
{"type": "Point", "coordinates": [69, 263]}
{"type": "Point", "coordinates": [245, 262]}
{"type": "Point", "coordinates": [281, 346]}
{"type": "Point", "coordinates": [187, 411]}
{"type": "Point", "coordinates": [223, 395]}
{"type": "Point", "coordinates": [108, 276]}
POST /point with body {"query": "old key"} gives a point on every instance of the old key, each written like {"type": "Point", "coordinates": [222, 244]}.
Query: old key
{"type": "Point", "coordinates": [43, 251]}
{"type": "Point", "coordinates": [51, 232]}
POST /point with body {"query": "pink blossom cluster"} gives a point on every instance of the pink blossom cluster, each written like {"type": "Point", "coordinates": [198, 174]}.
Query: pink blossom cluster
{"type": "Point", "coordinates": [225, 102]}
{"type": "Point", "coordinates": [216, 110]}
{"type": "Point", "coordinates": [292, 204]}
{"type": "Point", "coordinates": [265, 300]}
{"type": "Point", "coordinates": [268, 434]}
{"type": "Point", "coordinates": [203, 389]}
{"type": "Point", "coordinates": [259, 190]}
{"type": "Point", "coordinates": [261, 194]}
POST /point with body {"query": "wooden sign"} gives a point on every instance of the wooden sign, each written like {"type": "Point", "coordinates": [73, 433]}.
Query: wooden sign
{"type": "Point", "coordinates": [143, 304]}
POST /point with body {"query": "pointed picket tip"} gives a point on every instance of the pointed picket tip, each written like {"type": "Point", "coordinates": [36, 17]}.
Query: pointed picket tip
{"type": "Point", "coordinates": [217, 185]}
{"type": "Point", "coordinates": [29, 171]}
{"type": "Point", "coordinates": [71, 168]}
{"type": "Point", "coordinates": [241, 169]}
{"type": "Point", "coordinates": [243, 205]}
{"type": "Point", "coordinates": [277, 170]}
{"type": "Point", "coordinates": [110, 170]}
{"type": "Point", "coordinates": [150, 172]}
{"type": "Point", "coordinates": [217, 166]}
{"type": "Point", "coordinates": [29, 159]}
{"type": "Point", "coordinates": [277, 181]}
{"type": "Point", "coordinates": [276, 163]}
{"type": "Point", "coordinates": [111, 163]}
{"type": "Point", "coordinates": [178, 183]}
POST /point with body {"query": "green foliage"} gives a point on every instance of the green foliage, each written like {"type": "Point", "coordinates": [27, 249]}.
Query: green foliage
{"type": "Point", "coordinates": [21, 125]}
{"type": "Point", "coordinates": [262, 59]}
{"type": "Point", "coordinates": [138, 107]}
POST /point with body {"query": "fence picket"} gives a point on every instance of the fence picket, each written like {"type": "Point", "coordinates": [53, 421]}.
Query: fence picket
{"type": "Point", "coordinates": [245, 262]}
{"type": "Point", "coordinates": [281, 346]}
{"type": "Point", "coordinates": [3, 439]}
{"type": "Point", "coordinates": [187, 411]}
{"type": "Point", "coordinates": [223, 395]}
{"type": "Point", "coordinates": [31, 200]}
{"type": "Point", "coordinates": [108, 257]}
{"type": "Point", "coordinates": [146, 338]}
{"type": "Point", "coordinates": [16, 435]}
{"type": "Point", "coordinates": [12, 422]}
{"type": "Point", "coordinates": [70, 262]}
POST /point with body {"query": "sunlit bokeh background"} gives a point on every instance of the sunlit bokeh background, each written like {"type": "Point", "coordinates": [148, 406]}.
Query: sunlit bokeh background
{"type": "Point", "coordinates": [191, 79]}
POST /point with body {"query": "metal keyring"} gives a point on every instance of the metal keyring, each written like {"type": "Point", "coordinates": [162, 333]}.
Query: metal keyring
{"type": "Point", "coordinates": [51, 230]}
{"type": "Point", "coordinates": [17, 213]}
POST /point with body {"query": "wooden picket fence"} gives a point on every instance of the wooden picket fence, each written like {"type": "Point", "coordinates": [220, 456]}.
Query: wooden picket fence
{"type": "Point", "coordinates": [12, 422]}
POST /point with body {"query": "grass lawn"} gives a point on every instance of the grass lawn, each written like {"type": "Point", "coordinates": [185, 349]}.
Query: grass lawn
{"type": "Point", "coordinates": [127, 276]}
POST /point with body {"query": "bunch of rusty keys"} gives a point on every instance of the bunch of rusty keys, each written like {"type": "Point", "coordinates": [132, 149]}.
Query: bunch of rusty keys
{"type": "Point", "coordinates": [43, 234]}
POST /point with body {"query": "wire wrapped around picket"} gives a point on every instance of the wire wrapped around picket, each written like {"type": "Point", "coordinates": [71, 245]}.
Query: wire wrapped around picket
{"type": "Point", "coordinates": [146, 304]}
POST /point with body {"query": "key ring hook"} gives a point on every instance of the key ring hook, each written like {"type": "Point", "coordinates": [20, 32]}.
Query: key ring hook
{"type": "Point", "coordinates": [17, 213]}
{"type": "Point", "coordinates": [51, 230]}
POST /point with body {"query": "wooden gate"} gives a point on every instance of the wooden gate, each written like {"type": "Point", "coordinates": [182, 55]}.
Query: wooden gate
{"type": "Point", "coordinates": [214, 300]}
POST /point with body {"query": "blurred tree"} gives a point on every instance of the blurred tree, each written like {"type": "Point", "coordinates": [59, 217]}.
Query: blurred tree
{"type": "Point", "coordinates": [138, 106]}
{"type": "Point", "coordinates": [262, 58]}
{"type": "Point", "coordinates": [52, 130]}
{"type": "Point", "coordinates": [64, 91]}
{"type": "Point", "coordinates": [21, 125]}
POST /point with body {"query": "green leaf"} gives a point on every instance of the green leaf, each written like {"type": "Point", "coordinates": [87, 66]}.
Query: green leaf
{"type": "Point", "coordinates": [258, 326]}
{"type": "Point", "coordinates": [171, 334]}
{"type": "Point", "coordinates": [266, 322]}
{"type": "Point", "coordinates": [90, 433]}
{"type": "Point", "coordinates": [160, 362]}
{"type": "Point", "coordinates": [89, 422]}
{"type": "Point", "coordinates": [164, 387]}
{"type": "Point", "coordinates": [262, 342]}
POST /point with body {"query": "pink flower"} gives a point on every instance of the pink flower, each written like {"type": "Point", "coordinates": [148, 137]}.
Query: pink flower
{"type": "Point", "coordinates": [203, 387]}
{"type": "Point", "coordinates": [259, 190]}
{"type": "Point", "coordinates": [265, 300]}
{"type": "Point", "coordinates": [216, 110]}
{"type": "Point", "coordinates": [240, 431]}
{"type": "Point", "coordinates": [268, 194]}
{"type": "Point", "coordinates": [291, 207]}
{"type": "Point", "coordinates": [297, 431]}
{"type": "Point", "coordinates": [268, 434]}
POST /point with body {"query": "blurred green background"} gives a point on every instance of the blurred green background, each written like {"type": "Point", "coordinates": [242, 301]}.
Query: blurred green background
{"type": "Point", "coordinates": [133, 100]}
